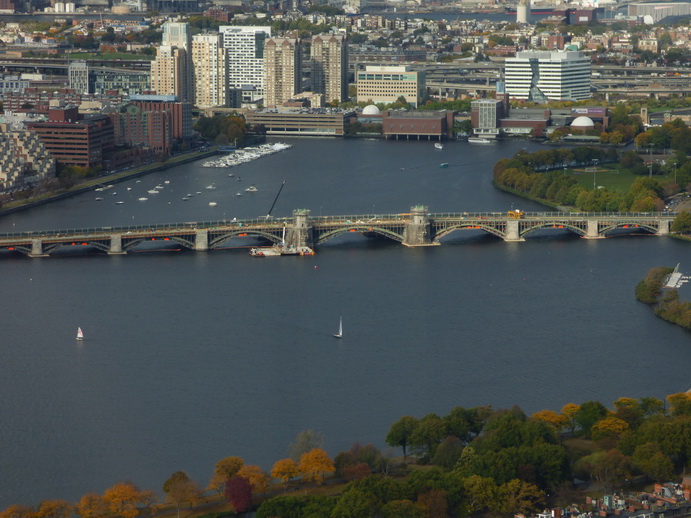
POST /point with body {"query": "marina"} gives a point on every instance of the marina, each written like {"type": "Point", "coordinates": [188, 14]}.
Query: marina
{"type": "Point", "coordinates": [248, 154]}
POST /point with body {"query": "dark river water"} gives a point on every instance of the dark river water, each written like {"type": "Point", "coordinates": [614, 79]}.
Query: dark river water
{"type": "Point", "coordinates": [191, 357]}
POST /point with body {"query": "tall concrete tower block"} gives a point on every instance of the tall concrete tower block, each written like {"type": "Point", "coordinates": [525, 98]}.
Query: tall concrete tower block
{"type": "Point", "coordinates": [645, 119]}
{"type": "Point", "coordinates": [523, 12]}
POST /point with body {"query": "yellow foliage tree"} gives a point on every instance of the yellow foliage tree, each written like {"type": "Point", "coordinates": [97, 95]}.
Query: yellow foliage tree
{"type": "Point", "coordinates": [125, 499]}
{"type": "Point", "coordinates": [224, 470]}
{"type": "Point", "coordinates": [54, 509]}
{"type": "Point", "coordinates": [609, 428]}
{"type": "Point", "coordinates": [570, 410]}
{"type": "Point", "coordinates": [624, 402]}
{"type": "Point", "coordinates": [258, 480]}
{"type": "Point", "coordinates": [558, 421]}
{"type": "Point", "coordinates": [315, 464]}
{"type": "Point", "coordinates": [679, 403]}
{"type": "Point", "coordinates": [17, 511]}
{"type": "Point", "coordinates": [91, 505]}
{"type": "Point", "coordinates": [284, 470]}
{"type": "Point", "coordinates": [522, 497]}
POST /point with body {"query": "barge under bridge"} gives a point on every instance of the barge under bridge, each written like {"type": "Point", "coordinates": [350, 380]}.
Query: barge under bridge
{"type": "Point", "coordinates": [413, 229]}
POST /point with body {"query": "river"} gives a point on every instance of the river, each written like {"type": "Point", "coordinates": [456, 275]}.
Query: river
{"type": "Point", "coordinates": [191, 357]}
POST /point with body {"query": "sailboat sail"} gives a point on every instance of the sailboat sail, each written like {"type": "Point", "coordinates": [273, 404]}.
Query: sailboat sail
{"type": "Point", "coordinates": [340, 329]}
{"type": "Point", "coordinates": [80, 334]}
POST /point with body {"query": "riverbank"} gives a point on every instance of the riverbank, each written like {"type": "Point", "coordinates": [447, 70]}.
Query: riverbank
{"type": "Point", "coordinates": [88, 185]}
{"type": "Point", "coordinates": [664, 301]}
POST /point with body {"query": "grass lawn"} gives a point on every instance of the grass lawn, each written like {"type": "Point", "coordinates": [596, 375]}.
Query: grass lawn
{"type": "Point", "coordinates": [610, 178]}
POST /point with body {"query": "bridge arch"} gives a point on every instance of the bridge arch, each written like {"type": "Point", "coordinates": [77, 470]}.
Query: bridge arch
{"type": "Point", "coordinates": [629, 225]}
{"type": "Point", "coordinates": [469, 226]}
{"type": "Point", "coordinates": [389, 234]}
{"type": "Point", "coordinates": [215, 239]}
{"type": "Point", "coordinates": [552, 225]}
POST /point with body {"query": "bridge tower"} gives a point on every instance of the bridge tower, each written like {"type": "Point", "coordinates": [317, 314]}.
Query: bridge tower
{"type": "Point", "coordinates": [418, 231]}
{"type": "Point", "coordinates": [300, 233]}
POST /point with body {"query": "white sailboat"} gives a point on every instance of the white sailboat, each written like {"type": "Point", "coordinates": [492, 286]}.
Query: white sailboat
{"type": "Point", "coordinates": [340, 329]}
{"type": "Point", "coordinates": [80, 334]}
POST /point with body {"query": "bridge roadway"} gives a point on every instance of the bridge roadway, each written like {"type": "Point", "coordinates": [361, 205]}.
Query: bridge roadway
{"type": "Point", "coordinates": [414, 228]}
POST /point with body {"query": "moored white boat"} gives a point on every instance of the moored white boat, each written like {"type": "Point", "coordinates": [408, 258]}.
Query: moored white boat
{"type": "Point", "coordinates": [439, 145]}
{"type": "Point", "coordinates": [479, 140]}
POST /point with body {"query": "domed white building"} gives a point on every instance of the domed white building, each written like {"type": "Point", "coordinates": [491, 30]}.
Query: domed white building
{"type": "Point", "coordinates": [582, 123]}
{"type": "Point", "coordinates": [371, 109]}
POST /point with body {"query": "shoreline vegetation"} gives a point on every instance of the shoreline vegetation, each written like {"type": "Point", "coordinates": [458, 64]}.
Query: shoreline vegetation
{"type": "Point", "coordinates": [665, 302]}
{"type": "Point", "coordinates": [472, 462]}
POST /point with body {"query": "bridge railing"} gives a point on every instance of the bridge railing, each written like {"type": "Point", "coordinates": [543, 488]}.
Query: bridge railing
{"type": "Point", "coordinates": [190, 225]}
{"type": "Point", "coordinates": [348, 219]}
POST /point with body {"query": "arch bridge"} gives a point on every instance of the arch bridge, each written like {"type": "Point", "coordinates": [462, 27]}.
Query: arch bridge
{"type": "Point", "coordinates": [413, 229]}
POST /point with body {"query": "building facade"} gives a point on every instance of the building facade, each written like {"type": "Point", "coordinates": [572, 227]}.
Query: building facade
{"type": "Point", "coordinates": [208, 65]}
{"type": "Point", "coordinates": [169, 72]}
{"type": "Point", "coordinates": [136, 127]}
{"type": "Point", "coordinates": [387, 84]}
{"type": "Point", "coordinates": [24, 160]}
{"type": "Point", "coordinates": [180, 112]}
{"type": "Point", "coordinates": [282, 67]}
{"type": "Point", "coordinates": [245, 58]}
{"type": "Point", "coordinates": [329, 56]}
{"type": "Point", "coordinates": [75, 141]}
{"type": "Point", "coordinates": [548, 76]}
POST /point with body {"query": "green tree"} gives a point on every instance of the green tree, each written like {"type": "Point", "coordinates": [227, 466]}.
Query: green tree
{"type": "Point", "coordinates": [354, 503]}
{"type": "Point", "coordinates": [649, 459]}
{"type": "Point", "coordinates": [400, 433]}
{"type": "Point", "coordinates": [682, 223]}
{"type": "Point", "coordinates": [428, 433]}
{"type": "Point", "coordinates": [588, 414]}
{"type": "Point", "coordinates": [402, 509]}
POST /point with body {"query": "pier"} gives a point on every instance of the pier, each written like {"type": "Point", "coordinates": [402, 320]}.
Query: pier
{"type": "Point", "coordinates": [416, 228]}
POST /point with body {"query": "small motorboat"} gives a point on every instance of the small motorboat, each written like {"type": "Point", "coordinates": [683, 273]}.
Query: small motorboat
{"type": "Point", "coordinates": [99, 199]}
{"type": "Point", "coordinates": [212, 204]}
{"type": "Point", "coordinates": [238, 193]}
{"type": "Point", "coordinates": [251, 188]}
{"type": "Point", "coordinates": [444, 164]}
{"type": "Point", "coordinates": [119, 203]}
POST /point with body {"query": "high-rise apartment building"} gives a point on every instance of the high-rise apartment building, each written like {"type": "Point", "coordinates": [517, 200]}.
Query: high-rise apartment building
{"type": "Point", "coordinates": [330, 67]}
{"type": "Point", "coordinates": [245, 58]}
{"type": "Point", "coordinates": [548, 76]}
{"type": "Point", "coordinates": [282, 70]}
{"type": "Point", "coordinates": [169, 72]}
{"type": "Point", "coordinates": [178, 35]}
{"type": "Point", "coordinates": [208, 70]}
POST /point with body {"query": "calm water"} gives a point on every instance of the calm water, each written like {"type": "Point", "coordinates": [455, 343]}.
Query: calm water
{"type": "Point", "coordinates": [191, 357]}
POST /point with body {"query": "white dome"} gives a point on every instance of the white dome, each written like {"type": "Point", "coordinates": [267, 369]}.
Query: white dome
{"type": "Point", "coordinates": [370, 110]}
{"type": "Point", "coordinates": [583, 122]}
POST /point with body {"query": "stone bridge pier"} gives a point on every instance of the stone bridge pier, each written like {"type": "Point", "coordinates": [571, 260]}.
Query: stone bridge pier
{"type": "Point", "coordinates": [418, 232]}
{"type": "Point", "coordinates": [513, 231]}
{"type": "Point", "coordinates": [593, 230]}
{"type": "Point", "coordinates": [300, 233]}
{"type": "Point", "coordinates": [663, 227]}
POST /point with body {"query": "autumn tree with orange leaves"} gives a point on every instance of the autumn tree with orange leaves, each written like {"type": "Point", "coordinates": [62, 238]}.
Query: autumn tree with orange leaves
{"type": "Point", "coordinates": [285, 470]}
{"type": "Point", "coordinates": [91, 505]}
{"type": "Point", "coordinates": [224, 470]}
{"type": "Point", "coordinates": [258, 480]}
{"type": "Point", "coordinates": [17, 511]}
{"type": "Point", "coordinates": [314, 465]}
{"type": "Point", "coordinates": [54, 509]}
{"type": "Point", "coordinates": [125, 499]}
{"type": "Point", "coordinates": [557, 421]}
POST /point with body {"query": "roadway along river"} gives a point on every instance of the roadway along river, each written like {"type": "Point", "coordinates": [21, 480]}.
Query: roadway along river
{"type": "Point", "coordinates": [191, 357]}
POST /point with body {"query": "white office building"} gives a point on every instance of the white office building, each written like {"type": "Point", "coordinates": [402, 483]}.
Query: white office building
{"type": "Point", "coordinates": [548, 76]}
{"type": "Point", "coordinates": [245, 58]}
